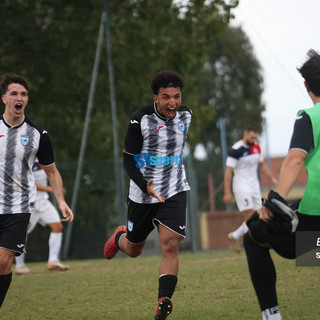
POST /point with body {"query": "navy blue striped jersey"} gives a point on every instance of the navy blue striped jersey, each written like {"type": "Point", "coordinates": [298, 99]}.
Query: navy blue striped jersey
{"type": "Point", "coordinates": [157, 144]}
{"type": "Point", "coordinates": [19, 146]}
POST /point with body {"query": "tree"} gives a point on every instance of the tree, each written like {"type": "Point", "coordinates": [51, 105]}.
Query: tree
{"type": "Point", "coordinates": [53, 43]}
{"type": "Point", "coordinates": [55, 49]}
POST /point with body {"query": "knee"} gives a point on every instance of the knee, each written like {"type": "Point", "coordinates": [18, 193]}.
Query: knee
{"type": "Point", "coordinates": [56, 227]}
{"type": "Point", "coordinates": [5, 265]}
{"type": "Point", "coordinates": [133, 252]}
{"type": "Point", "coordinates": [171, 246]}
{"type": "Point", "coordinates": [247, 241]}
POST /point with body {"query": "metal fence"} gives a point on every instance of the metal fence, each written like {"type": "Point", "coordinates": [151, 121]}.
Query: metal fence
{"type": "Point", "coordinates": [96, 210]}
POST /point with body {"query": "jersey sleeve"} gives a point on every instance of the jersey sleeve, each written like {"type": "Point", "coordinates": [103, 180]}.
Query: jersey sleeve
{"type": "Point", "coordinates": [134, 140]}
{"type": "Point", "coordinates": [232, 158]}
{"type": "Point", "coordinates": [231, 162]}
{"type": "Point", "coordinates": [45, 152]}
{"type": "Point", "coordinates": [261, 158]}
{"type": "Point", "coordinates": [302, 137]}
{"type": "Point", "coordinates": [134, 172]}
{"type": "Point", "coordinates": [132, 146]}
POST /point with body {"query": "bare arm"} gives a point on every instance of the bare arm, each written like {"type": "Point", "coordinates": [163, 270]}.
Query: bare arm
{"type": "Point", "coordinates": [290, 170]}
{"type": "Point", "coordinates": [41, 187]}
{"type": "Point", "coordinates": [57, 188]}
{"type": "Point", "coordinates": [264, 169]}
{"type": "Point", "coordinates": [227, 197]}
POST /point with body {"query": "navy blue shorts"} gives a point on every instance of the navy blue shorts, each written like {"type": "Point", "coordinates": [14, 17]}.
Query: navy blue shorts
{"type": "Point", "coordinates": [143, 218]}
{"type": "Point", "coordinates": [13, 232]}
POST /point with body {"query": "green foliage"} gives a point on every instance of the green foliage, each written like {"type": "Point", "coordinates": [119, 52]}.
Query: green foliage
{"type": "Point", "coordinates": [53, 44]}
{"type": "Point", "coordinates": [233, 86]}
{"type": "Point", "coordinates": [49, 42]}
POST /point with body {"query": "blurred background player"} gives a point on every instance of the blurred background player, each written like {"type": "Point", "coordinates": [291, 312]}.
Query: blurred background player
{"type": "Point", "coordinates": [20, 142]}
{"type": "Point", "coordinates": [47, 215]}
{"type": "Point", "coordinates": [242, 163]}
{"type": "Point", "coordinates": [304, 151]}
{"type": "Point", "coordinates": [157, 195]}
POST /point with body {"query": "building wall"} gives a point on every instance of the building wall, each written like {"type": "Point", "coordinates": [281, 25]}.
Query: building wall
{"type": "Point", "coordinates": [215, 226]}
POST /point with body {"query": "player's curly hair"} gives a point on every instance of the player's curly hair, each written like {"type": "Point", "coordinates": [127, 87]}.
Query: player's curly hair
{"type": "Point", "coordinates": [7, 79]}
{"type": "Point", "coordinates": [166, 79]}
{"type": "Point", "coordinates": [310, 71]}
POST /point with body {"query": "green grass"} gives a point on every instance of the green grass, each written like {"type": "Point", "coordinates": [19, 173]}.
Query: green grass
{"type": "Point", "coordinates": [211, 286]}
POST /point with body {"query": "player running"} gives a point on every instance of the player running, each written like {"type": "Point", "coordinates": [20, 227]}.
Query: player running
{"type": "Point", "coordinates": [20, 142]}
{"type": "Point", "coordinates": [153, 158]}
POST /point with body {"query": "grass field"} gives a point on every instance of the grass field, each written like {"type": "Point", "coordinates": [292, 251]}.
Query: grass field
{"type": "Point", "coordinates": [211, 286]}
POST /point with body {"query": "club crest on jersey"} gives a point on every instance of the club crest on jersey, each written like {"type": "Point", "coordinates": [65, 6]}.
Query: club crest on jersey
{"type": "Point", "coordinates": [130, 225]}
{"type": "Point", "coordinates": [181, 125]}
{"type": "Point", "coordinates": [24, 139]}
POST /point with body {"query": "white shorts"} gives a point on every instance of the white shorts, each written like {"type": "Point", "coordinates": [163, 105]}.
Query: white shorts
{"type": "Point", "coordinates": [247, 201]}
{"type": "Point", "coordinates": [44, 213]}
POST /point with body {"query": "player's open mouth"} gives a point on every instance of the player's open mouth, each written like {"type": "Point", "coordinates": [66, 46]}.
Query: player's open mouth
{"type": "Point", "coordinates": [171, 111]}
{"type": "Point", "coordinates": [18, 106]}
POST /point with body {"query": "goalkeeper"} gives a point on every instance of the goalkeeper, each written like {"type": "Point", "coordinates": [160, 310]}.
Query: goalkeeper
{"type": "Point", "coordinates": [275, 224]}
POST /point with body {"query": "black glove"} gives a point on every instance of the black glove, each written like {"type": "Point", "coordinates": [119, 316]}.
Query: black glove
{"type": "Point", "coordinates": [279, 206]}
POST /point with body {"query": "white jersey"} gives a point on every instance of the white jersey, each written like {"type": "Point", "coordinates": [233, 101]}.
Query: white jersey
{"type": "Point", "coordinates": [245, 161]}
{"type": "Point", "coordinates": [41, 178]}
{"type": "Point", "coordinates": [19, 146]}
{"type": "Point", "coordinates": [157, 146]}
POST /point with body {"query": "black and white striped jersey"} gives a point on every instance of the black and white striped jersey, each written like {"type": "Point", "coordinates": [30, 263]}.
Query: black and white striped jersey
{"type": "Point", "coordinates": [19, 146]}
{"type": "Point", "coordinates": [156, 145]}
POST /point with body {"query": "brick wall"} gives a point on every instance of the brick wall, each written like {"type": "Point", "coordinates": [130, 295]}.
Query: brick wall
{"type": "Point", "coordinates": [215, 227]}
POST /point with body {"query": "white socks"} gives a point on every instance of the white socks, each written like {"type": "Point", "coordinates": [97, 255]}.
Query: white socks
{"type": "Point", "coordinates": [271, 314]}
{"type": "Point", "coordinates": [237, 234]}
{"type": "Point", "coordinates": [55, 241]}
{"type": "Point", "coordinates": [20, 261]}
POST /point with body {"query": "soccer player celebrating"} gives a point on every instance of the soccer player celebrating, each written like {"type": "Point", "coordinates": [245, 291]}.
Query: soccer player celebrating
{"type": "Point", "coordinates": [153, 159]}
{"type": "Point", "coordinates": [20, 142]}
{"type": "Point", "coordinates": [275, 223]}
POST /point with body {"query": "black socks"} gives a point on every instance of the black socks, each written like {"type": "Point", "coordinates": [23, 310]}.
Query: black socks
{"type": "Point", "coordinates": [5, 281]}
{"type": "Point", "coordinates": [167, 285]}
{"type": "Point", "coordinates": [118, 237]}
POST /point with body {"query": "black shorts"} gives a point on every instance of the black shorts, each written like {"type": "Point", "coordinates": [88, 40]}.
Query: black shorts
{"type": "Point", "coordinates": [13, 232]}
{"type": "Point", "coordinates": [143, 218]}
